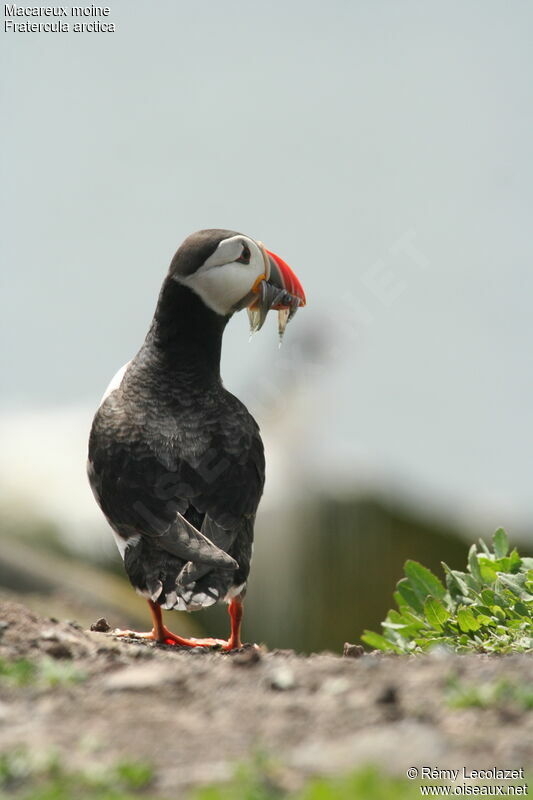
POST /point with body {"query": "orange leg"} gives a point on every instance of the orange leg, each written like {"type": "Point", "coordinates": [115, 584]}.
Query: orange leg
{"type": "Point", "coordinates": [235, 612]}
{"type": "Point", "coordinates": [160, 633]}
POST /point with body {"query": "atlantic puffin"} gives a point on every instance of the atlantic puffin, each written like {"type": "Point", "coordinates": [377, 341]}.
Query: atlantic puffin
{"type": "Point", "coordinates": [176, 461]}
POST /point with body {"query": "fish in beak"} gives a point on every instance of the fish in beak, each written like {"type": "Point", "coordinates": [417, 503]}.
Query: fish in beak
{"type": "Point", "coordinates": [277, 289]}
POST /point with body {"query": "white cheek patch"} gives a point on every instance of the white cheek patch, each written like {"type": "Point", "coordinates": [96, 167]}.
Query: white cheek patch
{"type": "Point", "coordinates": [221, 288]}
{"type": "Point", "coordinates": [222, 281]}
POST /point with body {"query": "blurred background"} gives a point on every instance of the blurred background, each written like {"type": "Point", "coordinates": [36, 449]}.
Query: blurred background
{"type": "Point", "coordinates": [384, 150]}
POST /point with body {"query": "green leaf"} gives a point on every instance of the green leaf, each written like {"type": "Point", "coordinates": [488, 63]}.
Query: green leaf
{"type": "Point", "coordinates": [523, 610]}
{"type": "Point", "coordinates": [484, 620]}
{"type": "Point", "coordinates": [516, 561]}
{"type": "Point", "coordinates": [501, 543]}
{"type": "Point", "coordinates": [413, 619]}
{"type": "Point", "coordinates": [423, 581]}
{"type": "Point", "coordinates": [396, 617]}
{"type": "Point", "coordinates": [488, 597]}
{"type": "Point", "coordinates": [399, 627]}
{"type": "Point", "coordinates": [435, 613]}
{"type": "Point", "coordinates": [515, 584]}
{"type": "Point", "coordinates": [467, 621]}
{"type": "Point", "coordinates": [474, 564]}
{"type": "Point", "coordinates": [400, 601]}
{"type": "Point", "coordinates": [488, 571]}
{"type": "Point", "coordinates": [409, 595]}
{"type": "Point", "coordinates": [505, 564]}
{"type": "Point", "coordinates": [517, 624]}
{"type": "Point", "coordinates": [404, 624]}
{"type": "Point", "coordinates": [484, 547]}
{"type": "Point", "coordinates": [455, 581]}
{"type": "Point", "coordinates": [379, 642]}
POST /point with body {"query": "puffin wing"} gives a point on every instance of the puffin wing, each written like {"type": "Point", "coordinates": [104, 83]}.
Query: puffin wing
{"type": "Point", "coordinates": [139, 494]}
{"type": "Point", "coordinates": [167, 491]}
{"type": "Point", "coordinates": [234, 493]}
{"type": "Point", "coordinates": [229, 501]}
{"type": "Point", "coordinates": [183, 540]}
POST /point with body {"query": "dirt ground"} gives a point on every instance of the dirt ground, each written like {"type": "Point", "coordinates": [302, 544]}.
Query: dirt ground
{"type": "Point", "coordinates": [195, 714]}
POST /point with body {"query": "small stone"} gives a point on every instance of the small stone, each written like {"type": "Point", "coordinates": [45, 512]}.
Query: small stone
{"type": "Point", "coordinates": [282, 679]}
{"type": "Point", "coordinates": [58, 650]}
{"type": "Point", "coordinates": [248, 658]}
{"type": "Point", "coordinates": [101, 625]}
{"type": "Point", "coordinates": [388, 695]}
{"type": "Point", "coordinates": [353, 650]}
{"type": "Point", "coordinates": [49, 634]}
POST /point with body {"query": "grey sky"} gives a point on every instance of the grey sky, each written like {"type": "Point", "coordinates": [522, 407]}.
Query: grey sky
{"type": "Point", "coordinates": [329, 131]}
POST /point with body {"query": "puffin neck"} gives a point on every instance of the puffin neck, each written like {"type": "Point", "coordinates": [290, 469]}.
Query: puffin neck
{"type": "Point", "coordinates": [186, 333]}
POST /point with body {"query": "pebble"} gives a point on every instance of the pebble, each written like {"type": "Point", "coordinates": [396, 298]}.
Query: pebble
{"type": "Point", "coordinates": [388, 695]}
{"type": "Point", "coordinates": [58, 650]}
{"type": "Point", "coordinates": [248, 658]}
{"type": "Point", "coordinates": [101, 625]}
{"type": "Point", "coordinates": [282, 679]}
{"type": "Point", "coordinates": [353, 650]}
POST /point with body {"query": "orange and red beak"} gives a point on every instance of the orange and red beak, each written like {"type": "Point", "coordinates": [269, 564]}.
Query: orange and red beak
{"type": "Point", "coordinates": [282, 276]}
{"type": "Point", "coordinates": [277, 289]}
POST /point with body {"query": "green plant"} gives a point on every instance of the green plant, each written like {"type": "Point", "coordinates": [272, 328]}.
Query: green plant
{"type": "Point", "coordinates": [25, 776]}
{"type": "Point", "coordinates": [488, 609]}
{"type": "Point", "coordinates": [501, 694]}
{"type": "Point", "coordinates": [29, 777]}
{"type": "Point", "coordinates": [44, 674]}
{"type": "Point", "coordinates": [368, 783]}
{"type": "Point", "coordinates": [19, 673]}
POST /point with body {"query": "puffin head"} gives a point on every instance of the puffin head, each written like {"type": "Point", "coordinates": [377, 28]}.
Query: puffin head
{"type": "Point", "coordinates": [230, 271]}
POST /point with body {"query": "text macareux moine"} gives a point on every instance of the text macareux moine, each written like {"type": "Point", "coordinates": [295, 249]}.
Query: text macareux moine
{"type": "Point", "coordinates": [58, 24]}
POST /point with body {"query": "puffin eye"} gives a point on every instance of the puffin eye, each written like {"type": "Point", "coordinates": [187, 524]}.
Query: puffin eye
{"type": "Point", "coordinates": [244, 257]}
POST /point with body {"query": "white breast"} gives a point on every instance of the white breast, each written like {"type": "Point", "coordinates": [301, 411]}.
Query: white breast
{"type": "Point", "coordinates": [115, 382]}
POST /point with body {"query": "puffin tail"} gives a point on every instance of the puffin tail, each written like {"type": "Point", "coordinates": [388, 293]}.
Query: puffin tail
{"type": "Point", "coordinates": [173, 582]}
{"type": "Point", "coordinates": [198, 587]}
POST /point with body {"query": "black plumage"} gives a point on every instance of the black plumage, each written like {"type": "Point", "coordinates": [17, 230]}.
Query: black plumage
{"type": "Point", "coordinates": [175, 460]}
